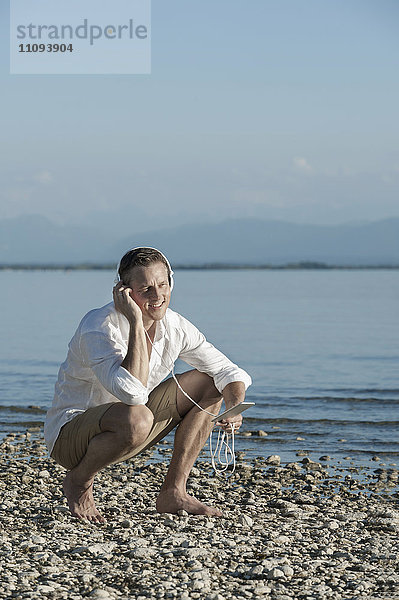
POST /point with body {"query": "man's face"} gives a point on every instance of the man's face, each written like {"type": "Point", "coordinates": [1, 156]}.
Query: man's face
{"type": "Point", "coordinates": [150, 290]}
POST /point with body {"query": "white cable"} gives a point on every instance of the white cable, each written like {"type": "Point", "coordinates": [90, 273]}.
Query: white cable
{"type": "Point", "coordinates": [229, 454]}
{"type": "Point", "coordinates": [175, 378]}
{"type": "Point", "coordinates": [223, 437]}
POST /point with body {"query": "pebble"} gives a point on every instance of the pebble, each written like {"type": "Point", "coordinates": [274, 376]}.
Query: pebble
{"type": "Point", "coordinates": [275, 573]}
{"type": "Point", "coordinates": [262, 590]}
{"type": "Point", "coordinates": [126, 523]}
{"type": "Point", "coordinates": [296, 531]}
{"type": "Point", "coordinates": [287, 570]}
{"type": "Point", "coordinates": [100, 594]}
{"type": "Point", "coordinates": [245, 520]}
{"type": "Point", "coordinates": [274, 459]}
{"type": "Point", "coordinates": [38, 539]}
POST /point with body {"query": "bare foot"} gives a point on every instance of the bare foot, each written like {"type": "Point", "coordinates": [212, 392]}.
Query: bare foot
{"type": "Point", "coordinates": [171, 501]}
{"type": "Point", "coordinates": [80, 500]}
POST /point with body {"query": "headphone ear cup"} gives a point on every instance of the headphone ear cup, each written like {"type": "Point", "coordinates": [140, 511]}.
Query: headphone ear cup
{"type": "Point", "coordinates": [172, 283]}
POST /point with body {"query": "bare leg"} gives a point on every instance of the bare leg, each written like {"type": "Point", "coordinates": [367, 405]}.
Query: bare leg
{"type": "Point", "coordinates": [190, 437]}
{"type": "Point", "coordinates": [124, 428]}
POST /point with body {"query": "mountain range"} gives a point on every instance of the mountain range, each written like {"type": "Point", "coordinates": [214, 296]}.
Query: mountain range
{"type": "Point", "coordinates": [36, 240]}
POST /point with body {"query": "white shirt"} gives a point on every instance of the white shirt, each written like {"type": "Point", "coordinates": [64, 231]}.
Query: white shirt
{"type": "Point", "coordinates": [92, 374]}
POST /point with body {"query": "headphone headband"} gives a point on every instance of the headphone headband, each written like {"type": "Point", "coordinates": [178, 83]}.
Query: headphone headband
{"type": "Point", "coordinates": [171, 273]}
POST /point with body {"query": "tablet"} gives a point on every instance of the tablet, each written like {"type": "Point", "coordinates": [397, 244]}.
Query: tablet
{"type": "Point", "coordinates": [234, 411]}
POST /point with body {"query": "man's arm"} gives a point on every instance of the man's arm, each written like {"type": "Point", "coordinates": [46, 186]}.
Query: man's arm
{"type": "Point", "coordinates": [136, 360]}
{"type": "Point", "coordinates": [229, 379]}
{"type": "Point", "coordinates": [233, 394]}
{"type": "Point", "coordinates": [204, 357]}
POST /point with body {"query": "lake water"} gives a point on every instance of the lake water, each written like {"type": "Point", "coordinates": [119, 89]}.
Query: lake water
{"type": "Point", "coordinates": [321, 347]}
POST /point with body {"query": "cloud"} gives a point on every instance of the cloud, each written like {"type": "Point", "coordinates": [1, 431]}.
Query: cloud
{"type": "Point", "coordinates": [43, 177]}
{"type": "Point", "coordinates": [302, 165]}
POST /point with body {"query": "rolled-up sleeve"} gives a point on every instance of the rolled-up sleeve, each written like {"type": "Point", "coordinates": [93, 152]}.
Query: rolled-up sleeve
{"type": "Point", "coordinates": [104, 358]}
{"type": "Point", "coordinates": [203, 356]}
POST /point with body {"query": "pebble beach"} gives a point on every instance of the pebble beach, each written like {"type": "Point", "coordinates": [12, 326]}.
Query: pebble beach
{"type": "Point", "coordinates": [307, 529]}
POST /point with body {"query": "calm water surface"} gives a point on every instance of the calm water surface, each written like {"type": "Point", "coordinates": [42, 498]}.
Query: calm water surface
{"type": "Point", "coordinates": [321, 347]}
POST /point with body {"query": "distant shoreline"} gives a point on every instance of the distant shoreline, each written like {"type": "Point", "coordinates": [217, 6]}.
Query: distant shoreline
{"type": "Point", "coordinates": [296, 266]}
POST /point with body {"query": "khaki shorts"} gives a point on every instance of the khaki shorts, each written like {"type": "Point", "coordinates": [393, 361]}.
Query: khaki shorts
{"type": "Point", "coordinates": [74, 437]}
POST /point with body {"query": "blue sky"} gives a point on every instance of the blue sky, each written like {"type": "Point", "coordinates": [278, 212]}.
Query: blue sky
{"type": "Point", "coordinates": [274, 109]}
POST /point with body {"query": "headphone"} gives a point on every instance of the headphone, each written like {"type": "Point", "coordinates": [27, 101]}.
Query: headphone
{"type": "Point", "coordinates": [170, 274]}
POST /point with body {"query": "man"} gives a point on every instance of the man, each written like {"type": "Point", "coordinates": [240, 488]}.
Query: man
{"type": "Point", "coordinates": [109, 402]}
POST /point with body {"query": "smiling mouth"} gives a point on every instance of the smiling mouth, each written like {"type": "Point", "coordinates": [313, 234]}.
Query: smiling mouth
{"type": "Point", "coordinates": [156, 305]}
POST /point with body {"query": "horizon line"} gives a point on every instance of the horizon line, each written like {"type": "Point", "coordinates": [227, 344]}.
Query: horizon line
{"type": "Point", "coordinates": [300, 265]}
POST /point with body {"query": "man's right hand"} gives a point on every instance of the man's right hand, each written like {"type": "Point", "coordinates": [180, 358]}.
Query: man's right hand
{"type": "Point", "coordinates": [125, 304]}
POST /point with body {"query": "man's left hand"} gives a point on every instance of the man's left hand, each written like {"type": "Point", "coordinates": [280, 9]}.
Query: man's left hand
{"type": "Point", "coordinates": [233, 394]}
{"type": "Point", "coordinates": [226, 424]}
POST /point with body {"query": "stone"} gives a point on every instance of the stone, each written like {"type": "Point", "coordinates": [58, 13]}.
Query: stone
{"type": "Point", "coordinates": [262, 590]}
{"type": "Point", "coordinates": [245, 520]}
{"type": "Point", "coordinates": [100, 549]}
{"type": "Point", "coordinates": [196, 553]}
{"type": "Point", "coordinates": [38, 540]}
{"type": "Point", "coordinates": [44, 474]}
{"type": "Point", "coordinates": [142, 552]}
{"type": "Point", "coordinates": [257, 570]}
{"type": "Point", "coordinates": [45, 589]}
{"type": "Point", "coordinates": [126, 524]}
{"type": "Point", "coordinates": [274, 459]}
{"type": "Point", "coordinates": [99, 594]}
{"type": "Point", "coordinates": [275, 573]}
{"type": "Point", "coordinates": [287, 570]}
